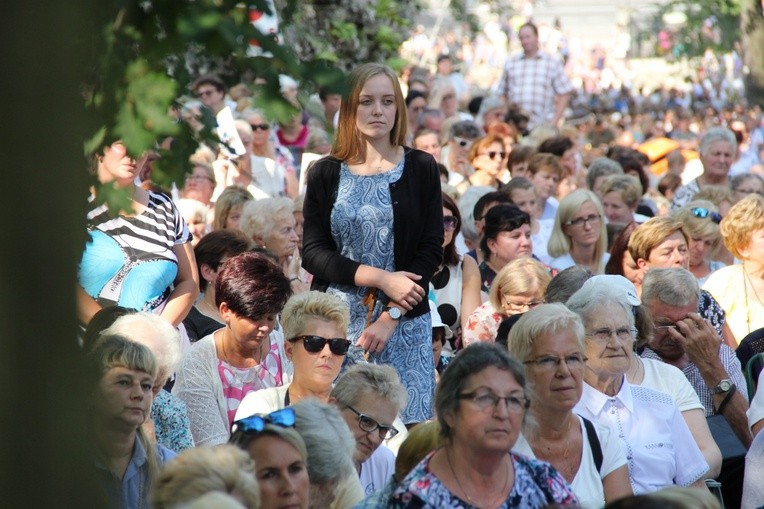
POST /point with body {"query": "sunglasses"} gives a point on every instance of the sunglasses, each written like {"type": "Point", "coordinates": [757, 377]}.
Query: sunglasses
{"type": "Point", "coordinates": [492, 154]}
{"type": "Point", "coordinates": [704, 213]}
{"type": "Point", "coordinates": [260, 127]}
{"type": "Point", "coordinates": [314, 344]}
{"type": "Point", "coordinates": [449, 223]}
{"type": "Point", "coordinates": [461, 141]}
{"type": "Point", "coordinates": [255, 424]}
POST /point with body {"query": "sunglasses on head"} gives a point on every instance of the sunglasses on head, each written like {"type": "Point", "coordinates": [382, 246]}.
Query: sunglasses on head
{"type": "Point", "coordinates": [260, 127]}
{"type": "Point", "coordinates": [461, 141]}
{"type": "Point", "coordinates": [314, 344]}
{"type": "Point", "coordinates": [255, 424]}
{"type": "Point", "coordinates": [704, 213]}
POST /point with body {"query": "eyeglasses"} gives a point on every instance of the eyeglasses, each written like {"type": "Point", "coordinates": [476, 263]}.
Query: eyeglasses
{"type": "Point", "coordinates": [604, 335]}
{"type": "Point", "coordinates": [260, 127]}
{"type": "Point", "coordinates": [198, 178]}
{"type": "Point", "coordinates": [255, 424]}
{"type": "Point", "coordinates": [206, 93]}
{"type": "Point", "coordinates": [369, 425]}
{"type": "Point", "coordinates": [462, 142]}
{"type": "Point", "coordinates": [580, 221]}
{"type": "Point", "coordinates": [486, 399]}
{"type": "Point", "coordinates": [748, 191]}
{"type": "Point", "coordinates": [552, 363]}
{"type": "Point", "coordinates": [704, 213]}
{"type": "Point", "coordinates": [492, 154]}
{"type": "Point", "coordinates": [314, 344]}
{"type": "Point", "coordinates": [521, 308]}
{"type": "Point", "coordinates": [449, 223]}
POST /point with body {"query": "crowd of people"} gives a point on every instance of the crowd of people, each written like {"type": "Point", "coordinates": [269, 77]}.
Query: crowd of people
{"type": "Point", "coordinates": [420, 297]}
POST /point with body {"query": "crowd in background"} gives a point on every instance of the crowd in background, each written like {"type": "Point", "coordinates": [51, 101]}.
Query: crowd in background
{"type": "Point", "coordinates": [567, 267]}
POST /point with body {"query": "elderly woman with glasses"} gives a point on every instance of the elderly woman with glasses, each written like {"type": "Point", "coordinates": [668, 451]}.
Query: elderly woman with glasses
{"type": "Point", "coordinates": [518, 287]}
{"type": "Point", "coordinates": [481, 403]}
{"type": "Point", "coordinates": [549, 341]}
{"type": "Point", "coordinates": [739, 288]}
{"type": "Point", "coordinates": [701, 222]}
{"type": "Point", "coordinates": [315, 325]}
{"type": "Point", "coordinates": [370, 396]}
{"type": "Point", "coordinates": [660, 448]}
{"type": "Point", "coordinates": [579, 236]}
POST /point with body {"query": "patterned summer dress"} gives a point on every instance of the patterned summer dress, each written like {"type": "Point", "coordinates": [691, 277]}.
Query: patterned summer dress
{"type": "Point", "coordinates": [362, 229]}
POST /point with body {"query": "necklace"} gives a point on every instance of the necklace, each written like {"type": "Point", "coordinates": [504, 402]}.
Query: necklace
{"type": "Point", "coordinates": [469, 499]}
{"type": "Point", "coordinates": [562, 465]}
{"type": "Point", "coordinates": [747, 281]}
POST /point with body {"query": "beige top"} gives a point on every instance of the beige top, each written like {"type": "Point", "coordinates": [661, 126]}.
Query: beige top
{"type": "Point", "coordinates": [733, 291]}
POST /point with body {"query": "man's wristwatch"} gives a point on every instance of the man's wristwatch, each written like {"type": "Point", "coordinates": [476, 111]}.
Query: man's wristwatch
{"type": "Point", "coordinates": [394, 312]}
{"type": "Point", "coordinates": [723, 386]}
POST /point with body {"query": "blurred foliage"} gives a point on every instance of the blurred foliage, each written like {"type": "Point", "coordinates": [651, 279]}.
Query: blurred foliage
{"type": "Point", "coordinates": [144, 55]}
{"type": "Point", "coordinates": [348, 32]}
{"type": "Point", "coordinates": [711, 24]}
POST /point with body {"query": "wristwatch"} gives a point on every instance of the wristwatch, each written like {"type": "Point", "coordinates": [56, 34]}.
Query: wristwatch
{"type": "Point", "coordinates": [723, 386]}
{"type": "Point", "coordinates": [394, 312]}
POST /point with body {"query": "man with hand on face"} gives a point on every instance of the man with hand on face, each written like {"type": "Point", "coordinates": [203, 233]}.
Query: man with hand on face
{"type": "Point", "coordinates": [684, 339]}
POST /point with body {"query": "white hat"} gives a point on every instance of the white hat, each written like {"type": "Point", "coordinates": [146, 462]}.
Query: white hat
{"type": "Point", "coordinates": [619, 283]}
{"type": "Point", "coordinates": [437, 321]}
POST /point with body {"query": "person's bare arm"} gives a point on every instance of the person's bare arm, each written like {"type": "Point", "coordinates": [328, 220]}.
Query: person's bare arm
{"type": "Point", "coordinates": [616, 484]}
{"type": "Point", "coordinates": [696, 421]}
{"type": "Point", "coordinates": [470, 289]}
{"type": "Point", "coordinates": [86, 306]}
{"type": "Point", "coordinates": [702, 345]}
{"type": "Point", "coordinates": [560, 103]}
{"type": "Point", "coordinates": [186, 288]}
{"type": "Point", "coordinates": [757, 426]}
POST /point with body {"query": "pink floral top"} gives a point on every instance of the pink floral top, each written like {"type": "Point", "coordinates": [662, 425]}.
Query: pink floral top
{"type": "Point", "coordinates": [238, 382]}
{"type": "Point", "coordinates": [482, 325]}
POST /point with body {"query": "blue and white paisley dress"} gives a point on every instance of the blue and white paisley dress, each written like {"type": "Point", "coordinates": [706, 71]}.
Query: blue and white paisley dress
{"type": "Point", "coordinates": [362, 228]}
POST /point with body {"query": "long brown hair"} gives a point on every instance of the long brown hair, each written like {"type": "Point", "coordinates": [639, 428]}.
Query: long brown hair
{"type": "Point", "coordinates": [348, 143]}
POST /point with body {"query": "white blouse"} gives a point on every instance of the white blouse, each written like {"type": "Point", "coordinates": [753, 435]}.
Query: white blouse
{"type": "Point", "coordinates": [660, 450]}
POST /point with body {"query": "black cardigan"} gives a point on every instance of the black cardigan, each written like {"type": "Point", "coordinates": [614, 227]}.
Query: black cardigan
{"type": "Point", "coordinates": [417, 224]}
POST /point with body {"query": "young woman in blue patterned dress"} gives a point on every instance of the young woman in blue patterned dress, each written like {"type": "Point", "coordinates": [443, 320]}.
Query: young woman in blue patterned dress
{"type": "Point", "coordinates": [373, 233]}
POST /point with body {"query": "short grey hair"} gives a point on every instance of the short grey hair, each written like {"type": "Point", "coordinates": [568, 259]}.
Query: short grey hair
{"type": "Point", "coordinates": [602, 167]}
{"type": "Point", "coordinates": [566, 283]}
{"type": "Point", "coordinates": [471, 361]}
{"type": "Point", "coordinates": [380, 380]}
{"type": "Point", "coordinates": [738, 180]}
{"type": "Point", "coordinates": [673, 287]}
{"type": "Point", "coordinates": [464, 129]}
{"type": "Point", "coordinates": [328, 439]}
{"type": "Point", "coordinates": [595, 295]}
{"type": "Point", "coordinates": [154, 332]}
{"type": "Point", "coordinates": [717, 134]}
{"type": "Point", "coordinates": [546, 318]}
{"type": "Point", "coordinates": [467, 203]}
{"type": "Point", "coordinates": [258, 216]}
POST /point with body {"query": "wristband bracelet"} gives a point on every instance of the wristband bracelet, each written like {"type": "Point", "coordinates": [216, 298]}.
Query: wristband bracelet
{"type": "Point", "coordinates": [726, 399]}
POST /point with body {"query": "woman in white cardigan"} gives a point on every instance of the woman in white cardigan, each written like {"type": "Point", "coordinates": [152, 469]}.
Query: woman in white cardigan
{"type": "Point", "coordinates": [246, 355]}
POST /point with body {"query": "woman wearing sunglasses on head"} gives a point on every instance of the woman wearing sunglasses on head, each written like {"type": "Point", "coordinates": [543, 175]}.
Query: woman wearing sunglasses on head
{"type": "Point", "coordinates": [281, 458]}
{"type": "Point", "coordinates": [314, 327]}
{"type": "Point", "coordinates": [701, 222]}
{"type": "Point", "coordinates": [488, 156]}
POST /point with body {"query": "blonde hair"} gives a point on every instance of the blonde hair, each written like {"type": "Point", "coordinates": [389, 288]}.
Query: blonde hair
{"type": "Point", "coordinates": [190, 209]}
{"type": "Point", "coordinates": [420, 441]}
{"type": "Point", "coordinates": [313, 304]}
{"type": "Point", "coordinates": [744, 218]}
{"type": "Point", "coordinates": [559, 242]}
{"type": "Point", "coordinates": [651, 234]}
{"type": "Point", "coordinates": [699, 226]}
{"type": "Point", "coordinates": [522, 275]}
{"type": "Point", "coordinates": [231, 197]}
{"type": "Point", "coordinates": [628, 186]}
{"type": "Point", "coordinates": [690, 498]}
{"type": "Point", "coordinates": [258, 216]}
{"type": "Point", "coordinates": [715, 194]}
{"type": "Point", "coordinates": [195, 472]}
{"type": "Point", "coordinates": [348, 143]}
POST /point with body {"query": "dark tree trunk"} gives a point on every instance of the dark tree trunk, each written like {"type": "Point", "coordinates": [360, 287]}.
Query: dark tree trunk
{"type": "Point", "coordinates": [752, 33]}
